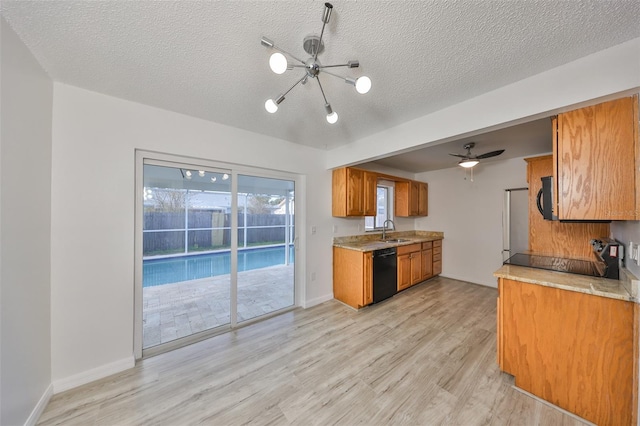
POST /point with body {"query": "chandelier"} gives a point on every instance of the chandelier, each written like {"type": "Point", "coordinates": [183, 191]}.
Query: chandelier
{"type": "Point", "coordinates": [313, 45]}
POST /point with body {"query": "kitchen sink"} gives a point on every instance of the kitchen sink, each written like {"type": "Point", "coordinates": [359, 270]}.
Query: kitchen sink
{"type": "Point", "coordinates": [395, 240]}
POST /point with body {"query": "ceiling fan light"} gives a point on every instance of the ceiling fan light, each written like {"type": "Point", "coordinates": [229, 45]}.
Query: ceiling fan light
{"type": "Point", "coordinates": [363, 84]}
{"type": "Point", "coordinates": [270, 106]}
{"type": "Point", "coordinates": [467, 164]}
{"type": "Point", "coordinates": [278, 63]}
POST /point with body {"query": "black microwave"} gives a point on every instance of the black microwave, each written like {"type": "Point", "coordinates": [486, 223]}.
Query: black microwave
{"type": "Point", "coordinates": [544, 200]}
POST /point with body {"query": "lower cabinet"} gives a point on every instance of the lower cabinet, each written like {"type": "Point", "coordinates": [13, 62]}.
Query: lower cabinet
{"type": "Point", "coordinates": [353, 277]}
{"type": "Point", "coordinates": [427, 260]}
{"type": "Point", "coordinates": [572, 349]}
{"type": "Point", "coordinates": [437, 257]}
{"type": "Point", "coordinates": [409, 263]}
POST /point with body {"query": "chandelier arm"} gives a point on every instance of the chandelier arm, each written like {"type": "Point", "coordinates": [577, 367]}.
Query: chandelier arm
{"type": "Point", "coordinates": [294, 85]}
{"type": "Point", "coordinates": [322, 91]}
{"type": "Point", "coordinates": [334, 66]}
{"type": "Point", "coordinates": [325, 19]}
{"type": "Point", "coordinates": [285, 52]}
{"type": "Point", "coordinates": [335, 75]}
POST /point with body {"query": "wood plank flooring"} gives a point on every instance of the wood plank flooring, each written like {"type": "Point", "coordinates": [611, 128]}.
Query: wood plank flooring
{"type": "Point", "coordinates": [425, 357]}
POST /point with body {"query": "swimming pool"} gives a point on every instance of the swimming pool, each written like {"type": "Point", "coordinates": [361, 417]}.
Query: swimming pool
{"type": "Point", "coordinates": [192, 267]}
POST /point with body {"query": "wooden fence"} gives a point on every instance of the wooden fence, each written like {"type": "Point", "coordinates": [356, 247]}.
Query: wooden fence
{"type": "Point", "coordinates": [261, 229]}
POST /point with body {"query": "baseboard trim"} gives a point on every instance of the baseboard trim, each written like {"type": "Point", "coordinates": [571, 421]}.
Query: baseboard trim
{"type": "Point", "coordinates": [318, 300]}
{"type": "Point", "coordinates": [493, 284]}
{"type": "Point", "coordinates": [40, 406]}
{"type": "Point", "coordinates": [89, 376]}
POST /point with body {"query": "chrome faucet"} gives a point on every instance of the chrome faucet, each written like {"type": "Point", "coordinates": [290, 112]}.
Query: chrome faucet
{"type": "Point", "coordinates": [384, 228]}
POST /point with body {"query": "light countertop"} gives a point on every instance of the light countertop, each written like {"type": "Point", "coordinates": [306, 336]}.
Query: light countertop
{"type": "Point", "coordinates": [371, 242]}
{"type": "Point", "coordinates": [623, 289]}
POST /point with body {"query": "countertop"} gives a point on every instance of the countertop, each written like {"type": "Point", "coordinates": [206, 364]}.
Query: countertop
{"type": "Point", "coordinates": [623, 289]}
{"type": "Point", "coordinates": [371, 242]}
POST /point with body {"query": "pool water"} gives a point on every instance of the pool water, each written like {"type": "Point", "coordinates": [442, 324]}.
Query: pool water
{"type": "Point", "coordinates": [185, 268]}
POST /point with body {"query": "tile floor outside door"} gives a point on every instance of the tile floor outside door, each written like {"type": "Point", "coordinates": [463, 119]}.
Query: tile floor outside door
{"type": "Point", "coordinates": [171, 311]}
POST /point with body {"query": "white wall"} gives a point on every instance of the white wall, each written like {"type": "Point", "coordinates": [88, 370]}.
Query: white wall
{"type": "Point", "coordinates": [25, 226]}
{"type": "Point", "coordinates": [92, 264]}
{"type": "Point", "coordinates": [470, 215]}
{"type": "Point", "coordinates": [609, 71]}
{"type": "Point", "coordinates": [625, 232]}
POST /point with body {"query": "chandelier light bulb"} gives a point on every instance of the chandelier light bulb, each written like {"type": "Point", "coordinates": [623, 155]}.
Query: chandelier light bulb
{"type": "Point", "coordinates": [363, 84]}
{"type": "Point", "coordinates": [278, 63]}
{"type": "Point", "coordinates": [332, 118]}
{"type": "Point", "coordinates": [270, 106]}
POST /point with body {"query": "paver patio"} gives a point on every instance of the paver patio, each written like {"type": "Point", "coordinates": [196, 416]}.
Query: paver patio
{"type": "Point", "coordinates": [171, 311]}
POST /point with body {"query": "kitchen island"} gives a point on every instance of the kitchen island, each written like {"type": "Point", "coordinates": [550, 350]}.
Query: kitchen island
{"type": "Point", "coordinates": [571, 340]}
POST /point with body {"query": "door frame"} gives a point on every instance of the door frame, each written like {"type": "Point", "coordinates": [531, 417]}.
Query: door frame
{"type": "Point", "coordinates": [173, 160]}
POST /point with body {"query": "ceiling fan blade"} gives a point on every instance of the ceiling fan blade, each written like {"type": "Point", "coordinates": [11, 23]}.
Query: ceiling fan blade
{"type": "Point", "coordinates": [459, 155]}
{"type": "Point", "coordinates": [490, 154]}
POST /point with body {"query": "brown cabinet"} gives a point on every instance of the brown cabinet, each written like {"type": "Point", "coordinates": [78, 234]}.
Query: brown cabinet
{"type": "Point", "coordinates": [411, 198]}
{"type": "Point", "coordinates": [353, 277]}
{"type": "Point", "coordinates": [353, 192]}
{"type": "Point", "coordinates": [409, 265]}
{"type": "Point", "coordinates": [437, 257]}
{"type": "Point", "coordinates": [423, 199]}
{"type": "Point", "coordinates": [597, 159]}
{"type": "Point", "coordinates": [370, 190]}
{"type": "Point", "coordinates": [562, 239]}
{"type": "Point", "coordinates": [572, 349]}
{"type": "Point", "coordinates": [427, 260]}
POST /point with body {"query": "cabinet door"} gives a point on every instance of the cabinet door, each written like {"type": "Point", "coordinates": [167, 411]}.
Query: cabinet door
{"type": "Point", "coordinates": [355, 196]}
{"type": "Point", "coordinates": [437, 257]}
{"type": "Point", "coordinates": [423, 199]}
{"type": "Point", "coordinates": [597, 154]}
{"type": "Point", "coordinates": [416, 267]}
{"type": "Point", "coordinates": [427, 264]}
{"type": "Point", "coordinates": [414, 193]}
{"type": "Point", "coordinates": [404, 271]}
{"type": "Point", "coordinates": [370, 196]}
{"type": "Point", "coordinates": [368, 278]}
{"type": "Point", "coordinates": [401, 195]}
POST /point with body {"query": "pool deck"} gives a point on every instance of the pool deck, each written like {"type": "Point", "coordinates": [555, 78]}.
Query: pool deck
{"type": "Point", "coordinates": [171, 311]}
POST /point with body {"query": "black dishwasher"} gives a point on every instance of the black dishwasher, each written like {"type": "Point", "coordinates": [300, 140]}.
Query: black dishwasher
{"type": "Point", "coordinates": [385, 274]}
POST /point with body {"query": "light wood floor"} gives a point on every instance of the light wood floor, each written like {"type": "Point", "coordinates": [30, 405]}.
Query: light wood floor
{"type": "Point", "coordinates": [424, 357]}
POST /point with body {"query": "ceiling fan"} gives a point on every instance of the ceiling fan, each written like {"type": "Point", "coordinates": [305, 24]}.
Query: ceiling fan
{"type": "Point", "coordinates": [469, 160]}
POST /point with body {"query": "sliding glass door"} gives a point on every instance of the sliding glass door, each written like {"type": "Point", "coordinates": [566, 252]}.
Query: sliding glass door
{"type": "Point", "coordinates": [217, 250]}
{"type": "Point", "coordinates": [186, 252]}
{"type": "Point", "coordinates": [265, 245]}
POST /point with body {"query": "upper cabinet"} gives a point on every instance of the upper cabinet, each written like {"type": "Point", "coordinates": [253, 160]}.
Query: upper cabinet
{"type": "Point", "coordinates": [596, 162]}
{"type": "Point", "coordinates": [411, 199]}
{"type": "Point", "coordinates": [354, 192]}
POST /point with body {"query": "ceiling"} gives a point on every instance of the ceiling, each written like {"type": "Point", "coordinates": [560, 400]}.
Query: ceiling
{"type": "Point", "coordinates": [205, 59]}
{"type": "Point", "coordinates": [523, 140]}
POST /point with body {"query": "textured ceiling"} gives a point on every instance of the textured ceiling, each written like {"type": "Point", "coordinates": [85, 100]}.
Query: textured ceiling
{"type": "Point", "coordinates": [205, 58]}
